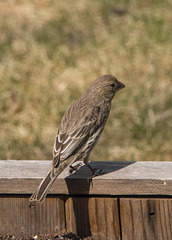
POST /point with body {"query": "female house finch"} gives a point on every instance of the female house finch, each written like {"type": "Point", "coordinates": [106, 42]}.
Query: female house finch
{"type": "Point", "coordinates": [80, 129]}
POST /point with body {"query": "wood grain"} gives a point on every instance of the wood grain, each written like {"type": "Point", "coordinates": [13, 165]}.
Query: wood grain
{"type": "Point", "coordinates": [119, 178]}
{"type": "Point", "coordinates": [93, 216]}
{"type": "Point", "coordinates": [145, 219]}
{"type": "Point", "coordinates": [18, 219]}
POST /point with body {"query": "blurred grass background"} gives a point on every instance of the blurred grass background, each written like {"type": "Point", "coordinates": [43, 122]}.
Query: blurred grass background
{"type": "Point", "coordinates": [51, 50]}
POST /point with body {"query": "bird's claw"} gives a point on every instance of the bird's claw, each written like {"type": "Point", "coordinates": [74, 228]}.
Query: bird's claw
{"type": "Point", "coordinates": [74, 168]}
{"type": "Point", "coordinates": [96, 172]}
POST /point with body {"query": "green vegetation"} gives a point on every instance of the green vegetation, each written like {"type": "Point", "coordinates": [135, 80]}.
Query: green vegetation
{"type": "Point", "coordinates": [51, 50]}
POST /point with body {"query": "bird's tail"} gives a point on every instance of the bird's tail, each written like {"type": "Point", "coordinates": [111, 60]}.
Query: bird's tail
{"type": "Point", "coordinates": [41, 192]}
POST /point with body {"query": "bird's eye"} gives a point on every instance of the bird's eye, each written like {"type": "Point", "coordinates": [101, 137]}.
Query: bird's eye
{"type": "Point", "coordinates": [112, 85]}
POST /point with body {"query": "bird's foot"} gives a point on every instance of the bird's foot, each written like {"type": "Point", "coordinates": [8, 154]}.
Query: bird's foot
{"type": "Point", "coordinates": [95, 173]}
{"type": "Point", "coordinates": [74, 168]}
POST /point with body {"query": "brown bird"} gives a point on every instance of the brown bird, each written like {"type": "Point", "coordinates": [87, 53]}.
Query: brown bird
{"type": "Point", "coordinates": [80, 129]}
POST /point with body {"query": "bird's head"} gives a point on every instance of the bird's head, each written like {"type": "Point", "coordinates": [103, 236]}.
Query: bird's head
{"type": "Point", "coordinates": [105, 87]}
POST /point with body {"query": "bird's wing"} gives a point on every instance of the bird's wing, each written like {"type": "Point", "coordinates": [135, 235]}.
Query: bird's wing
{"type": "Point", "coordinates": [67, 143]}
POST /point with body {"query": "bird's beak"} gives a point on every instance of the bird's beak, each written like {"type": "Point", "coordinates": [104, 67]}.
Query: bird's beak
{"type": "Point", "coordinates": [120, 86]}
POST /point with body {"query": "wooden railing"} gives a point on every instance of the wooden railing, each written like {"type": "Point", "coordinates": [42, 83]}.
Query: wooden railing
{"type": "Point", "coordinates": [129, 201]}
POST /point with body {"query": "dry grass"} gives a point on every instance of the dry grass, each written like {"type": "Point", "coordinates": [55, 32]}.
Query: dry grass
{"type": "Point", "coordinates": [51, 50]}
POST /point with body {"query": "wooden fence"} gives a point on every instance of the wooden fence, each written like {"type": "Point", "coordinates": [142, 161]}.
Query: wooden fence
{"type": "Point", "coordinates": [129, 201]}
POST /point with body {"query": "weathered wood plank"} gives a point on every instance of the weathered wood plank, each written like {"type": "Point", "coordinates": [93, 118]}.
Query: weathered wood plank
{"type": "Point", "coordinates": [18, 219]}
{"type": "Point", "coordinates": [119, 178]}
{"type": "Point", "coordinates": [93, 216]}
{"type": "Point", "coordinates": [146, 219]}
{"type": "Point", "coordinates": [104, 220]}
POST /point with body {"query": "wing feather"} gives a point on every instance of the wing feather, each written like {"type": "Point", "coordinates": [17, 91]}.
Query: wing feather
{"type": "Point", "coordinates": [67, 143]}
